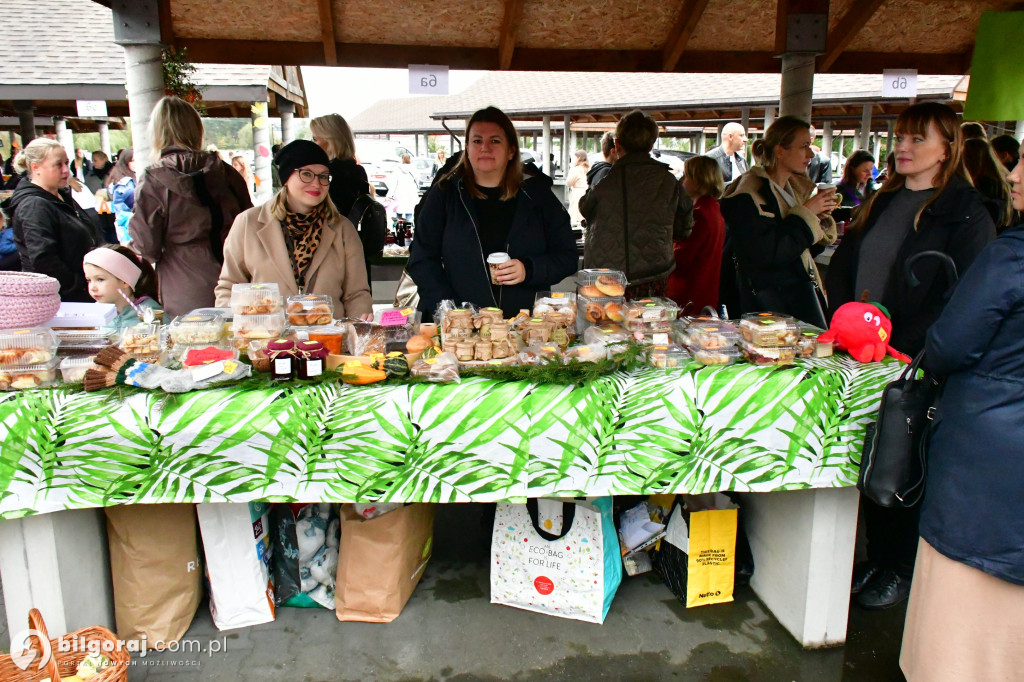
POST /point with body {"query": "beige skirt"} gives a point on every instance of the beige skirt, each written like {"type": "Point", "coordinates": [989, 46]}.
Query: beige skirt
{"type": "Point", "coordinates": [962, 624]}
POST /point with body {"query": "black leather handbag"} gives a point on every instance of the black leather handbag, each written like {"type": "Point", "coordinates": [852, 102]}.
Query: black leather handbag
{"type": "Point", "coordinates": [893, 461]}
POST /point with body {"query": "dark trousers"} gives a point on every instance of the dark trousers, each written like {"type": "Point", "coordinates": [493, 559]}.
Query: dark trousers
{"type": "Point", "coordinates": [892, 535]}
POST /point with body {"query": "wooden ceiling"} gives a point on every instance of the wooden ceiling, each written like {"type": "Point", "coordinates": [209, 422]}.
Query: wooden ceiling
{"type": "Point", "coordinates": [864, 36]}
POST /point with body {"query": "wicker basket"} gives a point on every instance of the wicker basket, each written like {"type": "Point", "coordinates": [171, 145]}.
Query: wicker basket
{"type": "Point", "coordinates": [27, 299]}
{"type": "Point", "coordinates": [65, 663]}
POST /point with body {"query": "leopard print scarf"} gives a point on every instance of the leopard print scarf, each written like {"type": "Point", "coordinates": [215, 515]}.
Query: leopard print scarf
{"type": "Point", "coordinates": [302, 232]}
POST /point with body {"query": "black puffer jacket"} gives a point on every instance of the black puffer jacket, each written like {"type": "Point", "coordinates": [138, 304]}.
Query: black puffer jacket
{"type": "Point", "coordinates": [633, 215]}
{"type": "Point", "coordinates": [447, 262]}
{"type": "Point", "coordinates": [53, 235]}
{"type": "Point", "coordinates": [956, 223]}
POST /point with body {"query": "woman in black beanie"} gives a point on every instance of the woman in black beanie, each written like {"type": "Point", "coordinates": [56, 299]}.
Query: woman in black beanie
{"type": "Point", "coordinates": [299, 239]}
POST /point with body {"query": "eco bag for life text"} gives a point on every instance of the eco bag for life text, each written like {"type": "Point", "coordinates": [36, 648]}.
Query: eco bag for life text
{"type": "Point", "coordinates": [556, 557]}
{"type": "Point", "coordinates": [155, 567]}
{"type": "Point", "coordinates": [697, 557]}
{"type": "Point", "coordinates": [381, 561]}
{"type": "Point", "coordinates": [236, 540]}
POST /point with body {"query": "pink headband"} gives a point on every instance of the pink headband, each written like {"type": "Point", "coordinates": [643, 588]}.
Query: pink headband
{"type": "Point", "coordinates": [117, 265]}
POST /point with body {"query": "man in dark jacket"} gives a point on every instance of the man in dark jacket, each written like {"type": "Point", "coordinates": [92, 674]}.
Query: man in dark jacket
{"type": "Point", "coordinates": [53, 235]}
{"type": "Point", "coordinates": [636, 212]}
{"type": "Point", "coordinates": [729, 154]}
{"type": "Point", "coordinates": [601, 168]}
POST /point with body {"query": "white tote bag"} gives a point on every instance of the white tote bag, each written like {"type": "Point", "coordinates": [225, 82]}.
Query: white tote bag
{"type": "Point", "coordinates": [556, 557]}
{"type": "Point", "coordinates": [237, 545]}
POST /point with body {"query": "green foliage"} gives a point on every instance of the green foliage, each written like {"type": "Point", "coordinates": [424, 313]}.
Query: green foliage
{"type": "Point", "coordinates": [178, 73]}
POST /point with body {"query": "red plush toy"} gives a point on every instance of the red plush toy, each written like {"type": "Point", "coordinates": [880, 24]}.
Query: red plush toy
{"type": "Point", "coordinates": [863, 331]}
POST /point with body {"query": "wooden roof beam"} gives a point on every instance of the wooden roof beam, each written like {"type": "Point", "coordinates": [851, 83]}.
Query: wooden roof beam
{"type": "Point", "coordinates": [509, 32]}
{"type": "Point", "coordinates": [847, 29]}
{"type": "Point", "coordinates": [686, 23]}
{"type": "Point", "coordinates": [327, 32]}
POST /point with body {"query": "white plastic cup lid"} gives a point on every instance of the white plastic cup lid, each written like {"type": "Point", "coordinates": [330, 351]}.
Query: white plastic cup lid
{"type": "Point", "coordinates": [823, 186]}
{"type": "Point", "coordinates": [498, 257]}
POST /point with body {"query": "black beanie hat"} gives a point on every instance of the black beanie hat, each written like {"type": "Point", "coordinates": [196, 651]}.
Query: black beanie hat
{"type": "Point", "coordinates": [299, 153]}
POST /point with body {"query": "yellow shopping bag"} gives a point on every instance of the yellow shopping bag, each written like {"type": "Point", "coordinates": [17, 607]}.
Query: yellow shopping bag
{"type": "Point", "coordinates": [711, 560]}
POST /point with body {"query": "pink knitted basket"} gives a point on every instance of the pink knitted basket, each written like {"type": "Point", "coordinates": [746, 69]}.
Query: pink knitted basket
{"type": "Point", "coordinates": [27, 299]}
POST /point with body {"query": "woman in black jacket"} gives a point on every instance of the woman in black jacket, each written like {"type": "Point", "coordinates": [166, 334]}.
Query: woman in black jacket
{"type": "Point", "coordinates": [348, 179]}
{"type": "Point", "coordinates": [966, 610]}
{"type": "Point", "coordinates": [775, 226]}
{"type": "Point", "coordinates": [486, 205]}
{"type": "Point", "coordinates": [51, 231]}
{"type": "Point", "coordinates": [927, 204]}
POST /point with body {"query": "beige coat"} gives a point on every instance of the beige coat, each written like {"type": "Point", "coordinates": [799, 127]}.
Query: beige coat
{"type": "Point", "coordinates": [255, 252]}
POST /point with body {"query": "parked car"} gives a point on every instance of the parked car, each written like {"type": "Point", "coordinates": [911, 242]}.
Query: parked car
{"type": "Point", "coordinates": [423, 168]}
{"type": "Point", "coordinates": [377, 177]}
{"type": "Point", "coordinates": [673, 158]}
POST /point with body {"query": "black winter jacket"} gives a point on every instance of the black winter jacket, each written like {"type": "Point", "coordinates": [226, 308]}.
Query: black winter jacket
{"type": "Point", "coordinates": [774, 251]}
{"type": "Point", "coordinates": [597, 172]}
{"type": "Point", "coordinates": [447, 262]}
{"type": "Point", "coordinates": [53, 235]}
{"type": "Point", "coordinates": [633, 216]}
{"type": "Point", "coordinates": [348, 181]}
{"type": "Point", "coordinates": [973, 509]}
{"type": "Point", "coordinates": [955, 223]}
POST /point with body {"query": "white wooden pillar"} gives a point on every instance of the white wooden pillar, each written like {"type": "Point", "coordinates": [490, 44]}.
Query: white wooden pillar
{"type": "Point", "coordinates": [261, 152]}
{"type": "Point", "coordinates": [64, 136]}
{"type": "Point", "coordinates": [1019, 132]}
{"type": "Point", "coordinates": [701, 143]}
{"type": "Point", "coordinates": [890, 141]}
{"type": "Point", "coordinates": [566, 148]}
{"type": "Point", "coordinates": [797, 84]}
{"type": "Point", "coordinates": [287, 111]}
{"type": "Point", "coordinates": [865, 128]}
{"type": "Point", "coordinates": [546, 161]}
{"type": "Point", "coordinates": [145, 80]}
{"type": "Point", "coordinates": [826, 140]}
{"type": "Point", "coordinates": [769, 116]}
{"type": "Point", "coordinates": [104, 136]}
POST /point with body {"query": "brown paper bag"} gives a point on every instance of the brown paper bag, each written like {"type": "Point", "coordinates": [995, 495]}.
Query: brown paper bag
{"type": "Point", "coordinates": [381, 561]}
{"type": "Point", "coordinates": [154, 562]}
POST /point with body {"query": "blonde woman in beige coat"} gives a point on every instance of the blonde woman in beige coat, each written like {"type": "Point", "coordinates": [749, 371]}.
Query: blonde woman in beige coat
{"type": "Point", "coordinates": [299, 240]}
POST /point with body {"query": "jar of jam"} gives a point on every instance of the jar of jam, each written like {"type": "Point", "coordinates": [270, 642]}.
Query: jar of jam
{"type": "Point", "coordinates": [282, 359]}
{"type": "Point", "coordinates": [310, 358]}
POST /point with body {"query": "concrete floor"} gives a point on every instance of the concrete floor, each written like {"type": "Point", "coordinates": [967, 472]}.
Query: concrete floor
{"type": "Point", "coordinates": [450, 631]}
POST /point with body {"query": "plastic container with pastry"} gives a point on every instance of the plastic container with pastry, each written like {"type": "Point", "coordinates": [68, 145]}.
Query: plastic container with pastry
{"type": "Point", "coordinates": [711, 334]}
{"type": "Point", "coordinates": [309, 309]}
{"type": "Point", "coordinates": [652, 310]}
{"type": "Point", "coordinates": [769, 329]}
{"type": "Point", "coordinates": [597, 282]}
{"type": "Point", "coordinates": [588, 352]}
{"type": "Point", "coordinates": [178, 352]}
{"type": "Point", "coordinates": [541, 352]}
{"type": "Point", "coordinates": [720, 356]}
{"type": "Point", "coordinates": [191, 330]}
{"type": "Point", "coordinates": [256, 299]}
{"type": "Point", "coordinates": [19, 378]}
{"type": "Point", "coordinates": [598, 310]}
{"type": "Point", "coordinates": [250, 327]}
{"type": "Point", "coordinates": [142, 342]}
{"type": "Point", "coordinates": [31, 346]}
{"type": "Point", "coordinates": [72, 370]}
{"type": "Point", "coordinates": [668, 356]}
{"type": "Point", "coordinates": [365, 338]}
{"type": "Point", "coordinates": [559, 302]}
{"type": "Point", "coordinates": [765, 355]}
{"type": "Point", "coordinates": [85, 342]}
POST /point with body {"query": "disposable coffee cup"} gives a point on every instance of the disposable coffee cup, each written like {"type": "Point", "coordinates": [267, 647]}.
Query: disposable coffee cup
{"type": "Point", "coordinates": [826, 186]}
{"type": "Point", "coordinates": [493, 261]}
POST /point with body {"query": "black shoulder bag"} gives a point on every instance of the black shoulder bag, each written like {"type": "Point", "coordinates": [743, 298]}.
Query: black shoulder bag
{"type": "Point", "coordinates": [893, 461]}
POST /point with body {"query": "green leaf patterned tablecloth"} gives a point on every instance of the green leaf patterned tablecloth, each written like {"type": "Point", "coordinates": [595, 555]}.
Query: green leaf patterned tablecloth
{"type": "Point", "coordinates": [693, 430]}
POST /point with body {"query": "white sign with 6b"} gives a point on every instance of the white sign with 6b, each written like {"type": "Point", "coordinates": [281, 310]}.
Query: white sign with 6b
{"type": "Point", "coordinates": [900, 83]}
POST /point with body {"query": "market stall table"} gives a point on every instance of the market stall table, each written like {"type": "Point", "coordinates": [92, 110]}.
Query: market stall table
{"type": "Point", "coordinates": [699, 429]}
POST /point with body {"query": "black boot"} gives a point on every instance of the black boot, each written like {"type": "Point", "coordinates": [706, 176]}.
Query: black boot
{"type": "Point", "coordinates": [863, 574]}
{"type": "Point", "coordinates": [887, 590]}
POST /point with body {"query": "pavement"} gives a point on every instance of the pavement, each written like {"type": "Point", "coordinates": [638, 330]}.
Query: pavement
{"type": "Point", "coordinates": [449, 631]}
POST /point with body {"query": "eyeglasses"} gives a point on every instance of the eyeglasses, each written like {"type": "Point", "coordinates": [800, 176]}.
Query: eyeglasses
{"type": "Point", "coordinates": [307, 176]}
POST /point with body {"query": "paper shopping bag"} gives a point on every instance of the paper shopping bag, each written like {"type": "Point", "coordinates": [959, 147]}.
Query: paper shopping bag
{"type": "Point", "coordinates": [154, 564]}
{"type": "Point", "coordinates": [236, 540]}
{"type": "Point", "coordinates": [381, 561]}
{"type": "Point", "coordinates": [556, 557]}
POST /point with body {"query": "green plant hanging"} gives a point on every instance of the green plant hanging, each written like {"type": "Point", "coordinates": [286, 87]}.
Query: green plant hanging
{"type": "Point", "coordinates": [178, 78]}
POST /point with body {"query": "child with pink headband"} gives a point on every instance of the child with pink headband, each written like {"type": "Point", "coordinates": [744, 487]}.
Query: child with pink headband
{"type": "Point", "coordinates": [112, 269]}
